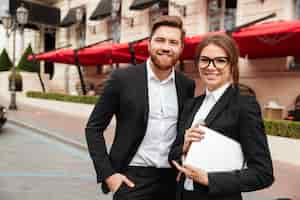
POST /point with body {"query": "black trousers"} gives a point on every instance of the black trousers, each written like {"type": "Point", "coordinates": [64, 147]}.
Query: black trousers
{"type": "Point", "coordinates": [150, 184]}
{"type": "Point", "coordinates": [203, 195]}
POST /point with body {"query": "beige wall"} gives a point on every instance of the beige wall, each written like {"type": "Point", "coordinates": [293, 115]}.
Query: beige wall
{"type": "Point", "coordinates": [268, 77]}
{"type": "Point", "coordinates": [141, 22]}
{"type": "Point", "coordinates": [195, 21]}
{"type": "Point", "coordinates": [248, 10]}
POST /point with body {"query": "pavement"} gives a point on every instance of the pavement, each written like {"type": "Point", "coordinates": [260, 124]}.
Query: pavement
{"type": "Point", "coordinates": [66, 122]}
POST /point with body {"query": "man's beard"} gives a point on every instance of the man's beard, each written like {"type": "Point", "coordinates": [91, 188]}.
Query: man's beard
{"type": "Point", "coordinates": [164, 65]}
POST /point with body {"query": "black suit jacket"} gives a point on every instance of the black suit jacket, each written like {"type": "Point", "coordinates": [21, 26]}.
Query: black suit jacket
{"type": "Point", "coordinates": [125, 96]}
{"type": "Point", "coordinates": [238, 117]}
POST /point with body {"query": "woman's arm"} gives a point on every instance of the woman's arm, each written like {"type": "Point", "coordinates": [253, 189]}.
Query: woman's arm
{"type": "Point", "coordinates": [259, 171]}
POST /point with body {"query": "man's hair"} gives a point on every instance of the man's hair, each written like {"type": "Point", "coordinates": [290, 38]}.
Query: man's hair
{"type": "Point", "coordinates": [228, 45]}
{"type": "Point", "coordinates": [167, 20]}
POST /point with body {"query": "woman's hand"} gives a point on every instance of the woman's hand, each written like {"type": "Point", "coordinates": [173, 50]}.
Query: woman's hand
{"type": "Point", "coordinates": [197, 175]}
{"type": "Point", "coordinates": [193, 134]}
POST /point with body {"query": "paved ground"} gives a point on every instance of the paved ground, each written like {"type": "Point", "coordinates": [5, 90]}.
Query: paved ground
{"type": "Point", "coordinates": [68, 120]}
{"type": "Point", "coordinates": [35, 167]}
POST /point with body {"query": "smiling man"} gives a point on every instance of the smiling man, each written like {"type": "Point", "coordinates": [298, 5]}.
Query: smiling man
{"type": "Point", "coordinates": [146, 100]}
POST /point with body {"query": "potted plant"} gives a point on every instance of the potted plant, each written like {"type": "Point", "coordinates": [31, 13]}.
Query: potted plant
{"type": "Point", "coordinates": [18, 81]}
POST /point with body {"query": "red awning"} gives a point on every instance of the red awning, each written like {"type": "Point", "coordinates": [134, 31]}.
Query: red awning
{"type": "Point", "coordinates": [60, 56]}
{"type": "Point", "coordinates": [272, 39]}
{"type": "Point", "coordinates": [100, 54]}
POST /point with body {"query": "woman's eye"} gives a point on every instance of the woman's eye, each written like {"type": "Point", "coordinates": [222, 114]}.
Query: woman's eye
{"type": "Point", "coordinates": [221, 60]}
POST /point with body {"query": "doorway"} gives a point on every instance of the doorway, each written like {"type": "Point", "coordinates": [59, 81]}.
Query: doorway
{"type": "Point", "coordinates": [49, 45]}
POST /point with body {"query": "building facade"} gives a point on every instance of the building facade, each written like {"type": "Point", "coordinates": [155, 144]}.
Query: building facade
{"type": "Point", "coordinates": [272, 79]}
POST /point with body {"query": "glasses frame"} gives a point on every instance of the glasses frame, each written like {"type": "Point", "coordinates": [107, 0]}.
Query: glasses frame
{"type": "Point", "coordinates": [213, 60]}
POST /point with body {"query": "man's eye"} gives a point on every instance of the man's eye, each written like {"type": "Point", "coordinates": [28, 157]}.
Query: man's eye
{"type": "Point", "coordinates": [174, 42]}
{"type": "Point", "coordinates": [159, 39]}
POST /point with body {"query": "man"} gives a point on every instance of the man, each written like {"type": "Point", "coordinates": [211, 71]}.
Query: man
{"type": "Point", "coordinates": [146, 100]}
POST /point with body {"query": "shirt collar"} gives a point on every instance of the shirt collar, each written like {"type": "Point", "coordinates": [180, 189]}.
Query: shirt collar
{"type": "Point", "coordinates": [152, 76]}
{"type": "Point", "coordinates": [216, 94]}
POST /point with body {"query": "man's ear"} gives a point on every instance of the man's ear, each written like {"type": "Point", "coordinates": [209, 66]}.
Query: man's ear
{"type": "Point", "coordinates": [182, 47]}
{"type": "Point", "coordinates": [149, 44]}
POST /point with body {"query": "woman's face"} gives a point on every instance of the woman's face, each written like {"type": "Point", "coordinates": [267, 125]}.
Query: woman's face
{"type": "Point", "coordinates": [214, 67]}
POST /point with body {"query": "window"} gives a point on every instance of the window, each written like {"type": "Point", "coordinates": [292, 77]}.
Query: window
{"type": "Point", "coordinates": [221, 14]}
{"type": "Point", "coordinates": [114, 23]}
{"type": "Point", "coordinates": [157, 10]}
{"type": "Point", "coordinates": [114, 29]}
{"type": "Point", "coordinates": [298, 9]}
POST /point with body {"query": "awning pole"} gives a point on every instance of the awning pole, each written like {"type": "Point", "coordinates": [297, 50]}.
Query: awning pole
{"type": "Point", "coordinates": [237, 28]}
{"type": "Point", "coordinates": [93, 44]}
{"type": "Point", "coordinates": [132, 51]}
{"type": "Point", "coordinates": [79, 72]}
{"type": "Point", "coordinates": [66, 46]}
{"type": "Point", "coordinates": [39, 74]}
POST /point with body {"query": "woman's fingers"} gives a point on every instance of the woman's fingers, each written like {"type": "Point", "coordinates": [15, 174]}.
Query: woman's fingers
{"type": "Point", "coordinates": [194, 134]}
{"type": "Point", "coordinates": [182, 169]}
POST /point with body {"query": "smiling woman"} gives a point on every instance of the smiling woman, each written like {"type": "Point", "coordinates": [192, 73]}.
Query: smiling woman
{"type": "Point", "coordinates": [224, 109]}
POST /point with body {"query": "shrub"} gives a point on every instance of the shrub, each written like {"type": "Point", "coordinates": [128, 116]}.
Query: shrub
{"type": "Point", "coordinates": [5, 62]}
{"type": "Point", "coordinates": [18, 81]}
{"type": "Point", "coordinates": [63, 97]}
{"type": "Point", "coordinates": [26, 65]}
{"type": "Point", "coordinates": [283, 128]}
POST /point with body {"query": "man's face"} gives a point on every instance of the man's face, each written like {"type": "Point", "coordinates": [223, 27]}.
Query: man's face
{"type": "Point", "coordinates": [165, 47]}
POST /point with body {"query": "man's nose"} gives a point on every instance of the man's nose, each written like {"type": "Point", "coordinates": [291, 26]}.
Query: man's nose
{"type": "Point", "coordinates": [166, 46]}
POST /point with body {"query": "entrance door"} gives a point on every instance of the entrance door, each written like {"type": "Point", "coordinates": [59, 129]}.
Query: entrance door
{"type": "Point", "coordinates": [49, 45]}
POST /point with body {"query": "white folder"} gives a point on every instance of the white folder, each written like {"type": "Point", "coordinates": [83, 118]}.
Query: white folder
{"type": "Point", "coordinates": [215, 152]}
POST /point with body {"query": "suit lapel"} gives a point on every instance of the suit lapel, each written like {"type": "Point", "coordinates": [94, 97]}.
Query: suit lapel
{"type": "Point", "coordinates": [219, 106]}
{"type": "Point", "coordinates": [144, 93]}
{"type": "Point", "coordinates": [179, 90]}
{"type": "Point", "coordinates": [141, 85]}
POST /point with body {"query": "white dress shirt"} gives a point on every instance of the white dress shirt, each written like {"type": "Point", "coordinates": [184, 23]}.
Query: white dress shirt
{"type": "Point", "coordinates": [208, 103]}
{"type": "Point", "coordinates": [162, 122]}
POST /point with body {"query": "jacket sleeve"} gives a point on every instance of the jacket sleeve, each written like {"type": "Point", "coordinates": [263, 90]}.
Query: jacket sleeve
{"type": "Point", "coordinates": [259, 171]}
{"type": "Point", "coordinates": [99, 119]}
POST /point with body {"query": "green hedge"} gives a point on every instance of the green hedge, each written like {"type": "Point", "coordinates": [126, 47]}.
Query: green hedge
{"type": "Point", "coordinates": [283, 128]}
{"type": "Point", "coordinates": [63, 97]}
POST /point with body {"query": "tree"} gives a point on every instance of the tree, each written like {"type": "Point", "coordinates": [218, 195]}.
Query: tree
{"type": "Point", "coordinates": [30, 66]}
{"type": "Point", "coordinates": [5, 62]}
{"type": "Point", "coordinates": [26, 65]}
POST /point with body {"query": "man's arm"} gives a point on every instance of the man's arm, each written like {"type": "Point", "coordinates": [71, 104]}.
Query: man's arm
{"type": "Point", "coordinates": [99, 119]}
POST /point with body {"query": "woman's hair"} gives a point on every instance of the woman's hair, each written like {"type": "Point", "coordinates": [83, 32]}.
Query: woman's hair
{"type": "Point", "coordinates": [228, 45]}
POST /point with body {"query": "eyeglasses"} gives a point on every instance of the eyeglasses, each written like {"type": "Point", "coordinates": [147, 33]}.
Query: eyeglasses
{"type": "Point", "coordinates": [218, 62]}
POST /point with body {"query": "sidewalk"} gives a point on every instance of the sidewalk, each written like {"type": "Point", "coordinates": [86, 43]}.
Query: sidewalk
{"type": "Point", "coordinates": [69, 119]}
{"type": "Point", "coordinates": [59, 120]}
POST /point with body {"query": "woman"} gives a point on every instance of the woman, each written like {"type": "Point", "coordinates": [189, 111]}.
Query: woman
{"type": "Point", "coordinates": [225, 110]}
